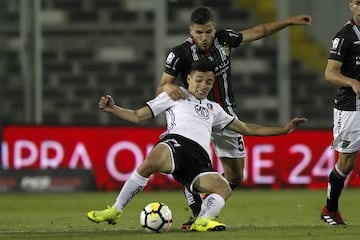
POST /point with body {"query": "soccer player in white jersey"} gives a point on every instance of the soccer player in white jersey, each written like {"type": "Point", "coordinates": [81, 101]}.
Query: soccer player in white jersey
{"type": "Point", "coordinates": [184, 149]}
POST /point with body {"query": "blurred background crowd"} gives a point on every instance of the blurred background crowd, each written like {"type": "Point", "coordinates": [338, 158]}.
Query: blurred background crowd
{"type": "Point", "coordinates": [59, 56]}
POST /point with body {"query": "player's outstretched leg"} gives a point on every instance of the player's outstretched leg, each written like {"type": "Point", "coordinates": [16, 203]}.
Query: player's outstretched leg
{"type": "Point", "coordinates": [110, 215]}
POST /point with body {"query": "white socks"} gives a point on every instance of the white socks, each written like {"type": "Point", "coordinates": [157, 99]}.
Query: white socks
{"type": "Point", "coordinates": [212, 205]}
{"type": "Point", "coordinates": [132, 186]}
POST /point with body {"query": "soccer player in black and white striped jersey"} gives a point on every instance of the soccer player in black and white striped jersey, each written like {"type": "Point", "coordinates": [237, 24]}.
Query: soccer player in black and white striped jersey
{"type": "Point", "coordinates": [343, 70]}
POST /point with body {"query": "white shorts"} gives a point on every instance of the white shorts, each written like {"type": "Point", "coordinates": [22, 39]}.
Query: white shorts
{"type": "Point", "coordinates": [228, 143]}
{"type": "Point", "coordinates": [346, 131]}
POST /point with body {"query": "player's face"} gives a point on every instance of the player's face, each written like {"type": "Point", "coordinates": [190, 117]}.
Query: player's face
{"type": "Point", "coordinates": [203, 35]}
{"type": "Point", "coordinates": [200, 83]}
{"type": "Point", "coordinates": [355, 9]}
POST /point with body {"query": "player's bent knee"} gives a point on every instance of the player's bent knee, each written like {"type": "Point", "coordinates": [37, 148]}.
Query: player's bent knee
{"type": "Point", "coordinates": [224, 191]}
{"type": "Point", "coordinates": [227, 193]}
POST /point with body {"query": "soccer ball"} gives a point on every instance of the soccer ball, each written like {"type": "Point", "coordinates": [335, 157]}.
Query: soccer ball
{"type": "Point", "coordinates": [156, 217]}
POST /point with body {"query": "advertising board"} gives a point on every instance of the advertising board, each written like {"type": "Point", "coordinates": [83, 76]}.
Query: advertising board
{"type": "Point", "coordinates": [300, 159]}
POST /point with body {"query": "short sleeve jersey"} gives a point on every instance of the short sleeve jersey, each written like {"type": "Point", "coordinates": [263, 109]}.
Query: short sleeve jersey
{"type": "Point", "coordinates": [345, 48]}
{"type": "Point", "coordinates": [191, 118]}
{"type": "Point", "coordinates": [179, 60]}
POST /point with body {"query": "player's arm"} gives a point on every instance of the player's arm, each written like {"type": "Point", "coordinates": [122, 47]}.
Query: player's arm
{"type": "Point", "coordinates": [107, 104]}
{"type": "Point", "coordinates": [334, 76]}
{"type": "Point", "coordinates": [266, 29]}
{"type": "Point", "coordinates": [167, 84]}
{"type": "Point", "coordinates": [260, 130]}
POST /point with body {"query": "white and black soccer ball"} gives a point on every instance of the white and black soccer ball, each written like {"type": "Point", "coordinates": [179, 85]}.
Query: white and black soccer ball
{"type": "Point", "coordinates": [156, 217]}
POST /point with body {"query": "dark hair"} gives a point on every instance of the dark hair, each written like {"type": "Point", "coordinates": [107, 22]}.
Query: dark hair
{"type": "Point", "coordinates": [202, 65]}
{"type": "Point", "coordinates": [202, 15]}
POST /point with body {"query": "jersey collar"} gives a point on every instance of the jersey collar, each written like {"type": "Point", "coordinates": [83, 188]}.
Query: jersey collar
{"type": "Point", "coordinates": [192, 98]}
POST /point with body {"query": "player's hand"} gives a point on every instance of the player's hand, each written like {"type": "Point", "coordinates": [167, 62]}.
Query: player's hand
{"type": "Point", "coordinates": [355, 85]}
{"type": "Point", "coordinates": [106, 103]}
{"type": "Point", "coordinates": [301, 20]}
{"type": "Point", "coordinates": [293, 124]}
{"type": "Point", "coordinates": [174, 91]}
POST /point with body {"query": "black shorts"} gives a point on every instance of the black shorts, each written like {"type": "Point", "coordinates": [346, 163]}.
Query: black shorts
{"type": "Point", "coordinates": [189, 157]}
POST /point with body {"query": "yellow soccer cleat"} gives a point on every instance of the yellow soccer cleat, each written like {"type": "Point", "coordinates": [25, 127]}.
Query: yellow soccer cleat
{"type": "Point", "coordinates": [110, 214]}
{"type": "Point", "coordinates": [203, 224]}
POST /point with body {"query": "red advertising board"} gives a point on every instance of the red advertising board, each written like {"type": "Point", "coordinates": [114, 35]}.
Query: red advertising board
{"type": "Point", "coordinates": [300, 159]}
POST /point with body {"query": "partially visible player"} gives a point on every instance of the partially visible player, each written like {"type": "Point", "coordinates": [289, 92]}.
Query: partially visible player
{"type": "Point", "coordinates": [208, 42]}
{"type": "Point", "coordinates": [184, 149]}
{"type": "Point", "coordinates": [343, 70]}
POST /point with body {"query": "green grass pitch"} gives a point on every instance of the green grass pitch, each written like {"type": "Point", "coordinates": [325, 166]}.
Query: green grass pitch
{"type": "Point", "coordinates": [249, 215]}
